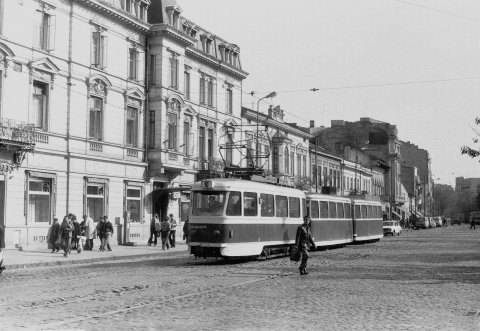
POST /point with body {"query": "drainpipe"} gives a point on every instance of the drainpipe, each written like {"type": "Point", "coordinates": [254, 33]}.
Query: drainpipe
{"type": "Point", "coordinates": [69, 99]}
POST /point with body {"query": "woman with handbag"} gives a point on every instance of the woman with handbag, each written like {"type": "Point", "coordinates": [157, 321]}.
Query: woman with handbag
{"type": "Point", "coordinates": [303, 242]}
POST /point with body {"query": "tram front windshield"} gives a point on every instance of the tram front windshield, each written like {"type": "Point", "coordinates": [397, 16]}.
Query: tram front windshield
{"type": "Point", "coordinates": [208, 203]}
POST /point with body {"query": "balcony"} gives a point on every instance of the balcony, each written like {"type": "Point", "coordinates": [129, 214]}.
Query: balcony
{"type": "Point", "coordinates": [17, 133]}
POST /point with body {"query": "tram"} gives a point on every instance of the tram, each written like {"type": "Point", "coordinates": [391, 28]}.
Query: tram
{"type": "Point", "coordinates": [232, 217]}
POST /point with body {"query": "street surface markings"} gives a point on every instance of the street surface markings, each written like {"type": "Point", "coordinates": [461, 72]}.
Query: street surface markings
{"type": "Point", "coordinates": [153, 304]}
{"type": "Point", "coordinates": [472, 313]}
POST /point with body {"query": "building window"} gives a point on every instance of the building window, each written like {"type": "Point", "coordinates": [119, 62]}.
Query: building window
{"type": "Point", "coordinates": [250, 151]}
{"type": "Point", "coordinates": [151, 126]}
{"type": "Point", "coordinates": [173, 71]}
{"type": "Point", "coordinates": [287, 161]}
{"type": "Point", "coordinates": [1, 91]}
{"type": "Point", "coordinates": [229, 100]}
{"type": "Point", "coordinates": [229, 147]}
{"type": "Point", "coordinates": [1, 16]}
{"type": "Point", "coordinates": [266, 149]}
{"type": "Point", "coordinates": [299, 165]}
{"type": "Point", "coordinates": [210, 144]}
{"type": "Point", "coordinates": [44, 31]}
{"type": "Point", "coordinates": [201, 143]}
{"type": "Point", "coordinates": [96, 119]}
{"type": "Point", "coordinates": [152, 70]}
{"type": "Point", "coordinates": [128, 5]}
{"type": "Point", "coordinates": [187, 84]}
{"type": "Point", "coordinates": [132, 126]}
{"type": "Point", "coordinates": [134, 203]}
{"type": "Point", "coordinates": [133, 63]}
{"type": "Point", "coordinates": [40, 105]}
{"type": "Point", "coordinates": [186, 138]}
{"type": "Point", "coordinates": [292, 163]}
{"type": "Point", "coordinates": [210, 93]}
{"type": "Point", "coordinates": [96, 201]}
{"type": "Point", "coordinates": [304, 166]}
{"type": "Point", "coordinates": [202, 89]}
{"type": "Point", "coordinates": [172, 131]}
{"type": "Point", "coordinates": [99, 50]}
{"type": "Point", "coordinates": [40, 198]}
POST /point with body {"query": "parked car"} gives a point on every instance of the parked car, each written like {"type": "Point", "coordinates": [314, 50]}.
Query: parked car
{"type": "Point", "coordinates": [438, 221]}
{"type": "Point", "coordinates": [391, 227]}
{"type": "Point", "coordinates": [432, 222]}
{"type": "Point", "coordinates": [421, 223]}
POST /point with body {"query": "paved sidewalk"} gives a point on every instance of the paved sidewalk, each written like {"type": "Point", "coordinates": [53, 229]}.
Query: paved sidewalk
{"type": "Point", "coordinates": [39, 257]}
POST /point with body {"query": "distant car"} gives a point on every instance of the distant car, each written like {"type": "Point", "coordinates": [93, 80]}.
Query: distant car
{"type": "Point", "coordinates": [438, 221]}
{"type": "Point", "coordinates": [432, 222]}
{"type": "Point", "coordinates": [391, 227]}
{"type": "Point", "coordinates": [456, 220]}
{"type": "Point", "coordinates": [421, 223]}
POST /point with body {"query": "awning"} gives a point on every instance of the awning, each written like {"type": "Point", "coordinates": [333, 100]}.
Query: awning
{"type": "Point", "coordinates": [418, 214]}
{"type": "Point", "coordinates": [404, 210]}
{"type": "Point", "coordinates": [396, 214]}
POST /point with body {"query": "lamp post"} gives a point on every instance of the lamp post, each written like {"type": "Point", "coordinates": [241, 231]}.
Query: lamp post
{"type": "Point", "coordinates": [269, 95]}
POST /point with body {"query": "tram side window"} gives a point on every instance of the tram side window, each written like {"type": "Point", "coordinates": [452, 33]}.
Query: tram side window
{"type": "Point", "coordinates": [208, 203]}
{"type": "Point", "coordinates": [379, 212]}
{"type": "Point", "coordinates": [323, 209]}
{"type": "Point", "coordinates": [267, 205]}
{"type": "Point", "coordinates": [234, 206]}
{"type": "Point", "coordinates": [364, 211]}
{"type": "Point", "coordinates": [332, 210]}
{"type": "Point", "coordinates": [281, 202]}
{"type": "Point", "coordinates": [250, 204]}
{"type": "Point", "coordinates": [357, 212]}
{"type": "Point", "coordinates": [314, 212]}
{"type": "Point", "coordinates": [340, 212]}
{"type": "Point", "coordinates": [348, 210]}
{"type": "Point", "coordinates": [369, 212]}
{"type": "Point", "coordinates": [294, 210]}
{"type": "Point", "coordinates": [304, 207]}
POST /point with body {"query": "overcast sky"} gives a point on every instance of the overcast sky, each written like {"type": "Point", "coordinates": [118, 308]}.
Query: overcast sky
{"type": "Point", "coordinates": [412, 63]}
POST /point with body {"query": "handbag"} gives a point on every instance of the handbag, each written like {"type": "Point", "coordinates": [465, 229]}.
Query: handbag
{"type": "Point", "coordinates": [295, 253]}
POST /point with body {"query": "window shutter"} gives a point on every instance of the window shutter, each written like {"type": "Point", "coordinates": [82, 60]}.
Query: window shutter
{"type": "Point", "coordinates": [94, 49]}
{"type": "Point", "coordinates": [104, 48]}
{"type": "Point", "coordinates": [141, 66]}
{"type": "Point", "coordinates": [51, 33]}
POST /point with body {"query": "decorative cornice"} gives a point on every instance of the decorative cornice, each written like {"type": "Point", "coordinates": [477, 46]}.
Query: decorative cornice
{"type": "Point", "coordinates": [117, 14]}
{"type": "Point", "coordinates": [252, 115]}
{"type": "Point", "coordinates": [173, 34]}
{"type": "Point", "coordinates": [216, 63]}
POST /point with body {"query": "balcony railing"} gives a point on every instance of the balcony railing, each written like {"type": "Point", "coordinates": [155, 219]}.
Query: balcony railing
{"type": "Point", "coordinates": [211, 164]}
{"type": "Point", "coordinates": [17, 133]}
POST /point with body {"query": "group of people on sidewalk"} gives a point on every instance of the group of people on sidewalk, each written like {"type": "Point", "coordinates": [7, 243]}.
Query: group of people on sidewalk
{"type": "Point", "coordinates": [166, 230]}
{"type": "Point", "coordinates": [72, 234]}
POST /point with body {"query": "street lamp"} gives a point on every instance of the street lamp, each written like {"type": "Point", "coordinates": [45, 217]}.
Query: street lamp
{"type": "Point", "coordinates": [269, 95]}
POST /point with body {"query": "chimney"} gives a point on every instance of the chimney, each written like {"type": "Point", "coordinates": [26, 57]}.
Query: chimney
{"type": "Point", "coordinates": [312, 123]}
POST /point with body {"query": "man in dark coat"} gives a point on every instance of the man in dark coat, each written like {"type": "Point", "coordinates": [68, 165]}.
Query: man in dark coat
{"type": "Point", "coordinates": [2, 247]}
{"type": "Point", "coordinates": [303, 241]}
{"type": "Point", "coordinates": [54, 235]}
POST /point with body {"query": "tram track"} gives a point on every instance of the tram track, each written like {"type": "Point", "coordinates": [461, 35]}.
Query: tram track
{"type": "Point", "coordinates": [144, 304]}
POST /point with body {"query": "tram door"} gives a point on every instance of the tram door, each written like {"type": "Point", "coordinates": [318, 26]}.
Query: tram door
{"type": "Point", "coordinates": [185, 210]}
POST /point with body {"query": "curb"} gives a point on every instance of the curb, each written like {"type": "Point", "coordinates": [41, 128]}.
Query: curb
{"type": "Point", "coordinates": [91, 260]}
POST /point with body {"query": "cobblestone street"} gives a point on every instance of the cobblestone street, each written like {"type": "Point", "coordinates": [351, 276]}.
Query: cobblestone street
{"type": "Point", "coordinates": [420, 280]}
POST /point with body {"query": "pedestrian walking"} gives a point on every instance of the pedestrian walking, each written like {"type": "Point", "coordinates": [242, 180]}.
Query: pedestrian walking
{"type": "Point", "coordinates": [100, 229]}
{"type": "Point", "coordinates": [79, 234]}
{"type": "Point", "coordinates": [165, 231]}
{"type": "Point", "coordinates": [55, 237]}
{"type": "Point", "coordinates": [304, 241]}
{"type": "Point", "coordinates": [108, 233]}
{"type": "Point", "coordinates": [472, 223]}
{"type": "Point", "coordinates": [89, 232]}
{"type": "Point", "coordinates": [185, 229]}
{"type": "Point", "coordinates": [154, 230]}
{"type": "Point", "coordinates": [2, 247]}
{"type": "Point", "coordinates": [66, 230]}
{"type": "Point", "coordinates": [173, 230]}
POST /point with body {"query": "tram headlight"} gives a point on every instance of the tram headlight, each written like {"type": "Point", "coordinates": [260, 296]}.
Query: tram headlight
{"type": "Point", "coordinates": [216, 233]}
{"type": "Point", "coordinates": [230, 234]}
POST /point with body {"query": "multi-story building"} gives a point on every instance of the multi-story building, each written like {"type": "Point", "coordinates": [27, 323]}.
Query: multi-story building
{"type": "Point", "coordinates": [74, 71]}
{"type": "Point", "coordinates": [471, 185]}
{"type": "Point", "coordinates": [367, 144]}
{"type": "Point", "coordinates": [413, 156]}
{"type": "Point", "coordinates": [194, 83]}
{"type": "Point", "coordinates": [282, 150]}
